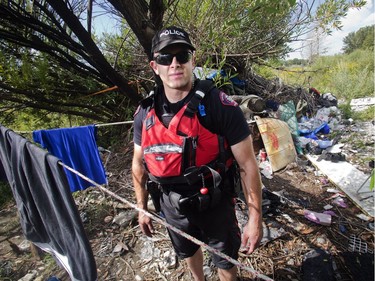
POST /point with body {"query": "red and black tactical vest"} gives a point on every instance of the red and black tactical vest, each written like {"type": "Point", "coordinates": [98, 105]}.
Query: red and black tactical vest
{"type": "Point", "coordinates": [172, 153]}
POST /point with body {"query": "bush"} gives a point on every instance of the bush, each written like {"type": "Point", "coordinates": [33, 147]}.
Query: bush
{"type": "Point", "coordinates": [346, 111]}
{"type": "Point", "coordinates": [365, 115]}
{"type": "Point", "coordinates": [346, 76]}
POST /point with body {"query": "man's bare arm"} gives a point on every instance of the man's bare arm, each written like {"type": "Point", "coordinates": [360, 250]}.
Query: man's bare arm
{"type": "Point", "coordinates": [252, 188]}
{"type": "Point", "coordinates": [141, 194]}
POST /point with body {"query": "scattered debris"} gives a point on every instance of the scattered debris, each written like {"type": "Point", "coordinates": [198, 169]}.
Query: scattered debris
{"type": "Point", "coordinates": [29, 276]}
{"type": "Point", "coordinates": [340, 202]}
{"type": "Point", "coordinates": [319, 218]}
{"type": "Point", "coordinates": [362, 103]}
{"type": "Point", "coordinates": [360, 265]}
{"type": "Point", "coordinates": [123, 219]}
{"type": "Point", "coordinates": [317, 266]}
{"type": "Point", "coordinates": [357, 245]}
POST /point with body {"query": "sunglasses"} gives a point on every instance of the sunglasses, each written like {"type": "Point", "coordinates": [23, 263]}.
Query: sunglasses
{"type": "Point", "coordinates": [166, 59]}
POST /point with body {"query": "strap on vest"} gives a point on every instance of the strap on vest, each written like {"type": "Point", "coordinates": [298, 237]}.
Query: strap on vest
{"type": "Point", "coordinates": [222, 154]}
{"type": "Point", "coordinates": [203, 87]}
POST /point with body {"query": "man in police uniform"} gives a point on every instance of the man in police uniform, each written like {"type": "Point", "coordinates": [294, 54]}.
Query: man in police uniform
{"type": "Point", "coordinates": [219, 115]}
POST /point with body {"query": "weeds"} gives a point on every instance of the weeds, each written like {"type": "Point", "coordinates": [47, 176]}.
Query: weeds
{"type": "Point", "coordinates": [6, 194]}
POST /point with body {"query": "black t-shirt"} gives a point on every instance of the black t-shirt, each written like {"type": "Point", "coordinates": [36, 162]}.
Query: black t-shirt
{"type": "Point", "coordinates": [223, 116]}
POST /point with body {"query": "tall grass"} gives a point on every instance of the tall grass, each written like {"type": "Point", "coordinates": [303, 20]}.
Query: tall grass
{"type": "Point", "coordinates": [346, 76]}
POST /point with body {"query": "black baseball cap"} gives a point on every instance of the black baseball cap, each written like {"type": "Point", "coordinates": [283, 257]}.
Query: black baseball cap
{"type": "Point", "coordinates": [168, 36]}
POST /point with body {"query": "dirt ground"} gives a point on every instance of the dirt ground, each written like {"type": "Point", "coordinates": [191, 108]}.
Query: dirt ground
{"type": "Point", "coordinates": [123, 253]}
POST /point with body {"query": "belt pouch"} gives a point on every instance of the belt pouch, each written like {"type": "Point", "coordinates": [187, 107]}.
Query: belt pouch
{"type": "Point", "coordinates": [203, 202]}
{"type": "Point", "coordinates": [215, 196]}
{"type": "Point", "coordinates": [182, 204]}
{"type": "Point", "coordinates": [155, 193]}
{"type": "Point", "coordinates": [192, 175]}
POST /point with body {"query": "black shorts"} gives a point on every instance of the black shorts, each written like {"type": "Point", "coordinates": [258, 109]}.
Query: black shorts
{"type": "Point", "coordinates": [217, 227]}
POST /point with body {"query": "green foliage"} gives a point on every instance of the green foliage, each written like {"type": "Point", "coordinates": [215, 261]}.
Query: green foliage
{"type": "Point", "coordinates": [293, 75]}
{"type": "Point", "coordinates": [296, 61]}
{"type": "Point", "coordinates": [223, 76]}
{"type": "Point", "coordinates": [248, 31]}
{"type": "Point", "coordinates": [346, 111]}
{"type": "Point", "coordinates": [49, 262]}
{"type": "Point", "coordinates": [246, 27]}
{"type": "Point", "coordinates": [48, 96]}
{"type": "Point", "coordinates": [349, 76]}
{"type": "Point", "coordinates": [31, 119]}
{"type": "Point", "coordinates": [361, 39]}
{"type": "Point", "coordinates": [364, 115]}
{"type": "Point", "coordinates": [265, 72]}
{"type": "Point", "coordinates": [330, 12]}
{"type": "Point", "coordinates": [346, 76]}
{"type": "Point", "coordinates": [123, 52]}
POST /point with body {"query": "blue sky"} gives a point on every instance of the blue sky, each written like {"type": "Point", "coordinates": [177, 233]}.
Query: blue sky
{"type": "Point", "coordinates": [354, 20]}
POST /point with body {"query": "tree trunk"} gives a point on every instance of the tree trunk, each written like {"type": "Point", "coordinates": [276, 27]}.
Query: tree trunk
{"type": "Point", "coordinates": [136, 14]}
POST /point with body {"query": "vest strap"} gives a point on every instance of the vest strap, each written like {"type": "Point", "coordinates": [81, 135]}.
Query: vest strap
{"type": "Point", "coordinates": [203, 87]}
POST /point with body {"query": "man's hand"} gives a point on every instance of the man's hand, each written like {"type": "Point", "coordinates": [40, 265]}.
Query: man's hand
{"type": "Point", "coordinates": [251, 237]}
{"type": "Point", "coordinates": [145, 223]}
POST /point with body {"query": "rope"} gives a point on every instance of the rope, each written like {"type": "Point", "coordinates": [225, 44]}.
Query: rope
{"type": "Point", "coordinates": [102, 125]}
{"type": "Point", "coordinates": [187, 236]}
{"type": "Point", "coordinates": [115, 123]}
{"type": "Point", "coordinates": [96, 125]}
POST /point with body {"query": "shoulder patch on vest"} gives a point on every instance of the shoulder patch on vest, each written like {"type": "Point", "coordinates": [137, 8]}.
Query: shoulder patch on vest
{"type": "Point", "coordinates": [227, 100]}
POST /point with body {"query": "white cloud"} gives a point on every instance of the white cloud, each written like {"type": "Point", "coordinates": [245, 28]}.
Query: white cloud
{"type": "Point", "coordinates": [354, 20]}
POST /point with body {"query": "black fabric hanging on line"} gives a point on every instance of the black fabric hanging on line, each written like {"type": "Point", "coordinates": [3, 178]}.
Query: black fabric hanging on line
{"type": "Point", "coordinates": [48, 214]}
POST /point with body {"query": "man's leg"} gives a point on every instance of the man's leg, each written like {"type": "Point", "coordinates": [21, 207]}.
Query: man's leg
{"type": "Point", "coordinates": [228, 274]}
{"type": "Point", "coordinates": [195, 264]}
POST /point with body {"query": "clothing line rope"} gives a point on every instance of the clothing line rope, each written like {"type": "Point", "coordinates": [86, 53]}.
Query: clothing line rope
{"type": "Point", "coordinates": [187, 236]}
{"type": "Point", "coordinates": [115, 123]}
{"type": "Point", "coordinates": [96, 125]}
{"type": "Point", "coordinates": [103, 125]}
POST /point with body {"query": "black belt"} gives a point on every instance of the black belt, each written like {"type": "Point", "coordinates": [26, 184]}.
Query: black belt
{"type": "Point", "coordinates": [191, 176]}
{"type": "Point", "coordinates": [178, 188]}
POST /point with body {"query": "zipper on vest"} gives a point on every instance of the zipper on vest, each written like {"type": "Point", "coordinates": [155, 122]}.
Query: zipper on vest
{"type": "Point", "coordinates": [186, 154]}
{"type": "Point", "coordinates": [189, 152]}
{"type": "Point", "coordinates": [193, 150]}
